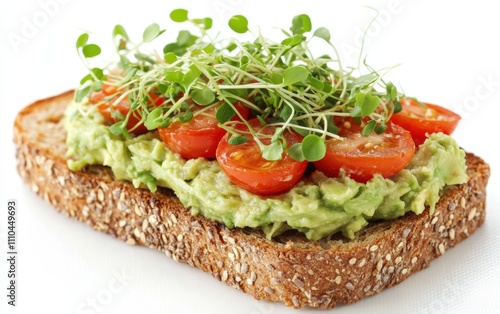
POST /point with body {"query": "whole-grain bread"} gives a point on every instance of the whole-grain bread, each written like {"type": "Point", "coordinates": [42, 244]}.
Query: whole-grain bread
{"type": "Point", "coordinates": [289, 269]}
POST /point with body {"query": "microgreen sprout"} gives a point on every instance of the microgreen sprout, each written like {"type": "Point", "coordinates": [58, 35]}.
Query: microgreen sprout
{"type": "Point", "coordinates": [283, 83]}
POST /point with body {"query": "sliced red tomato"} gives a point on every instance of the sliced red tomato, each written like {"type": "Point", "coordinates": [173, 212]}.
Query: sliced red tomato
{"type": "Point", "coordinates": [199, 136]}
{"type": "Point", "coordinates": [420, 121]}
{"type": "Point", "coordinates": [363, 156]}
{"type": "Point", "coordinates": [245, 167]}
{"type": "Point", "coordinates": [111, 110]}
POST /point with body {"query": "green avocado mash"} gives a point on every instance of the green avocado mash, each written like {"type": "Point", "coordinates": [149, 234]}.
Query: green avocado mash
{"type": "Point", "coordinates": [318, 206]}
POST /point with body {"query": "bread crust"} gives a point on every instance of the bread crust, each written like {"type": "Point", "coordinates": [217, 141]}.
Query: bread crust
{"type": "Point", "coordinates": [289, 269]}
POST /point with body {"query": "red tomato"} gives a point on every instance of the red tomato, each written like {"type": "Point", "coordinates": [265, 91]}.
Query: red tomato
{"type": "Point", "coordinates": [419, 120]}
{"type": "Point", "coordinates": [198, 137]}
{"type": "Point", "coordinates": [245, 167]}
{"type": "Point", "coordinates": [108, 107]}
{"type": "Point", "coordinates": [363, 156]}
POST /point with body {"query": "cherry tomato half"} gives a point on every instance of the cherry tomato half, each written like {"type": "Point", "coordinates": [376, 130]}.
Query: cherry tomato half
{"type": "Point", "coordinates": [245, 167]}
{"type": "Point", "coordinates": [199, 136]}
{"type": "Point", "coordinates": [363, 156]}
{"type": "Point", "coordinates": [110, 108]}
{"type": "Point", "coordinates": [420, 120]}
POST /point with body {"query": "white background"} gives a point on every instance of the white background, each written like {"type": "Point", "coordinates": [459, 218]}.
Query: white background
{"type": "Point", "coordinates": [449, 54]}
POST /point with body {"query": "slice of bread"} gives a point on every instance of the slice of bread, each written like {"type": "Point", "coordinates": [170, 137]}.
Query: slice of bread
{"type": "Point", "coordinates": [289, 269]}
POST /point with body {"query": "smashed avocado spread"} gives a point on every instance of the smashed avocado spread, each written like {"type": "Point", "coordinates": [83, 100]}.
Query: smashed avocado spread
{"type": "Point", "coordinates": [317, 206]}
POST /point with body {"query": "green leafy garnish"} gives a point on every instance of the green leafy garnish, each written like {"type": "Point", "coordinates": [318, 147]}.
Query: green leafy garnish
{"type": "Point", "coordinates": [283, 83]}
{"type": "Point", "coordinates": [239, 24]}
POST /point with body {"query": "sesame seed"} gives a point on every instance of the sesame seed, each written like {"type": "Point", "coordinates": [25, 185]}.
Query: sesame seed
{"type": "Point", "coordinates": [231, 240]}
{"type": "Point", "coordinates": [362, 263]}
{"type": "Point", "coordinates": [174, 219]}
{"type": "Point", "coordinates": [145, 225]}
{"type": "Point", "coordinates": [122, 206]}
{"type": "Point", "coordinates": [352, 261]}
{"type": "Point", "coordinates": [406, 232]}
{"type": "Point", "coordinates": [231, 256]}
{"type": "Point", "coordinates": [180, 237]}
{"type": "Point", "coordinates": [349, 286]}
{"type": "Point", "coordinates": [104, 186]}
{"type": "Point", "coordinates": [116, 193]}
{"type": "Point", "coordinates": [390, 269]}
{"type": "Point", "coordinates": [441, 248]}
{"type": "Point", "coordinates": [388, 257]}
{"type": "Point", "coordinates": [276, 281]}
{"type": "Point", "coordinates": [452, 234]}
{"type": "Point", "coordinates": [268, 290]}
{"type": "Point", "coordinates": [85, 211]}
{"type": "Point", "coordinates": [130, 241]}
{"type": "Point", "coordinates": [338, 280]}
{"type": "Point", "coordinates": [238, 278]}
{"type": "Point", "coordinates": [122, 223]}
{"type": "Point", "coordinates": [299, 283]}
{"type": "Point", "coordinates": [61, 180]}
{"type": "Point", "coordinates": [414, 260]}
{"type": "Point", "coordinates": [398, 260]}
{"type": "Point", "coordinates": [137, 233]}
{"type": "Point", "coordinates": [137, 210]}
{"type": "Point", "coordinates": [152, 220]}
{"type": "Point", "coordinates": [244, 268]}
{"type": "Point", "coordinates": [220, 264]}
{"type": "Point", "coordinates": [462, 202]}
{"type": "Point", "coordinates": [100, 195]}
{"type": "Point", "coordinates": [253, 276]}
{"type": "Point", "coordinates": [472, 214]}
{"type": "Point", "coordinates": [249, 282]}
{"type": "Point", "coordinates": [295, 301]}
{"type": "Point", "coordinates": [434, 220]}
{"type": "Point", "coordinates": [236, 253]}
{"type": "Point", "coordinates": [90, 198]}
{"type": "Point", "coordinates": [404, 271]}
{"type": "Point", "coordinates": [224, 275]}
{"type": "Point", "coordinates": [373, 248]}
{"type": "Point", "coordinates": [451, 206]}
{"type": "Point", "coordinates": [379, 265]}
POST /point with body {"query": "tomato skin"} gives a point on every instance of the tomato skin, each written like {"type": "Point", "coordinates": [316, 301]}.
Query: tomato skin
{"type": "Point", "coordinates": [107, 107]}
{"type": "Point", "coordinates": [361, 157]}
{"type": "Point", "coordinates": [198, 137]}
{"type": "Point", "coordinates": [245, 167]}
{"type": "Point", "coordinates": [419, 120]}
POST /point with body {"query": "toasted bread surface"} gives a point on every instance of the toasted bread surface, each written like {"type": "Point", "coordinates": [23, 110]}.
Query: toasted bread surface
{"type": "Point", "coordinates": [289, 269]}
